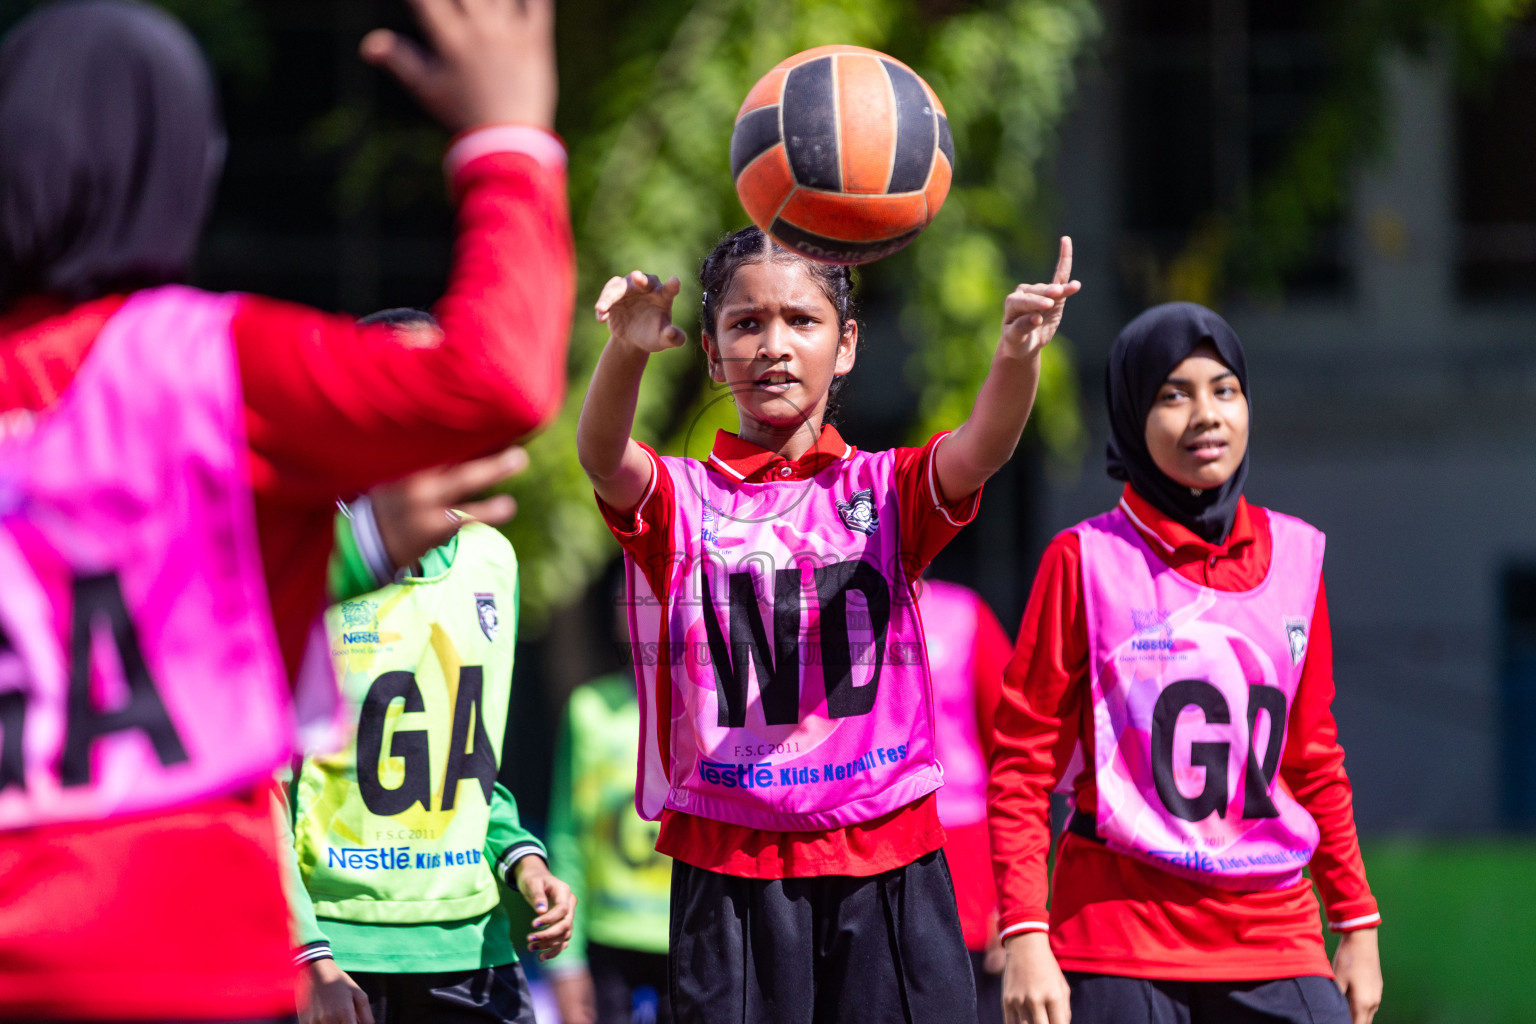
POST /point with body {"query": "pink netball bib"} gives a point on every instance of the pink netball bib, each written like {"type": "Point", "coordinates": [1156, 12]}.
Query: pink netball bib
{"type": "Point", "coordinates": [949, 623]}
{"type": "Point", "coordinates": [1192, 689]}
{"type": "Point", "coordinates": [793, 652]}
{"type": "Point", "coordinates": [138, 663]}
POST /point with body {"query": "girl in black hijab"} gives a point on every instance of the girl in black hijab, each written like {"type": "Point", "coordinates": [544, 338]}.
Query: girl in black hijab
{"type": "Point", "coordinates": [1142, 357]}
{"type": "Point", "coordinates": [1197, 691]}
{"type": "Point", "coordinates": [110, 149]}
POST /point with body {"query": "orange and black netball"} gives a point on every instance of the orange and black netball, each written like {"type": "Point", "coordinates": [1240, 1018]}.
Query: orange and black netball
{"type": "Point", "coordinates": [842, 154]}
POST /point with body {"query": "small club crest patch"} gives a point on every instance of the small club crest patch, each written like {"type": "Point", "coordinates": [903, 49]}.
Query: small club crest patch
{"type": "Point", "coordinates": [490, 619]}
{"type": "Point", "coordinates": [1152, 621]}
{"type": "Point", "coordinates": [858, 512]}
{"type": "Point", "coordinates": [1296, 636]}
{"type": "Point", "coordinates": [358, 614]}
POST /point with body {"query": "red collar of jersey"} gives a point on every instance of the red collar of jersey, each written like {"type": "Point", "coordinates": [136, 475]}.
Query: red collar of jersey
{"type": "Point", "coordinates": [43, 341]}
{"type": "Point", "coordinates": [28, 313]}
{"type": "Point", "coordinates": [746, 462]}
{"type": "Point", "coordinates": [1175, 538]}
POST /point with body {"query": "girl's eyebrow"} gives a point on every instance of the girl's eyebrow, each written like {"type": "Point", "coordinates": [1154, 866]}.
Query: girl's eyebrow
{"type": "Point", "coordinates": [789, 307]}
{"type": "Point", "coordinates": [1185, 381]}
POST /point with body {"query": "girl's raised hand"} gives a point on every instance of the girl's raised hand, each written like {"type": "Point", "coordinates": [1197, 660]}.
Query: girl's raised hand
{"type": "Point", "coordinates": [485, 62]}
{"type": "Point", "coordinates": [1032, 312]}
{"type": "Point", "coordinates": [638, 311]}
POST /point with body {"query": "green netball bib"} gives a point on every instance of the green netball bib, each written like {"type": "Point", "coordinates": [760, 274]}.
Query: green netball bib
{"type": "Point", "coordinates": [393, 829]}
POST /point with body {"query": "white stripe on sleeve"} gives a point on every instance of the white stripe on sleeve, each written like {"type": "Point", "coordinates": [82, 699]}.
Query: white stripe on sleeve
{"type": "Point", "coordinates": [543, 146]}
{"type": "Point", "coordinates": [1354, 922]}
{"type": "Point", "coordinates": [1024, 926]}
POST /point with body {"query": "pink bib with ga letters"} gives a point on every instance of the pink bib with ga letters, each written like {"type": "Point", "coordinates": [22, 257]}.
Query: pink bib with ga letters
{"type": "Point", "coordinates": [1192, 689]}
{"type": "Point", "coordinates": [139, 666]}
{"type": "Point", "coordinates": [793, 650]}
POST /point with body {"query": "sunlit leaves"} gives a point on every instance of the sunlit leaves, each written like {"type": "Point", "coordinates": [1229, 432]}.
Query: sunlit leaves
{"type": "Point", "coordinates": [651, 188]}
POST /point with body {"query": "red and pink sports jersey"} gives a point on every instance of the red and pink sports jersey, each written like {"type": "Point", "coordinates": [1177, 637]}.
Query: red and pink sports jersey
{"type": "Point", "coordinates": [916, 522]}
{"type": "Point", "coordinates": [799, 686]}
{"type": "Point", "coordinates": [1113, 913]}
{"type": "Point", "coordinates": [95, 917]}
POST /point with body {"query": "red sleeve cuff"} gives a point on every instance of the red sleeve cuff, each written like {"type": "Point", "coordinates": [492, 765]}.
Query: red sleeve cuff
{"type": "Point", "coordinates": [543, 146]}
{"type": "Point", "coordinates": [627, 526]}
{"type": "Point", "coordinates": [1354, 915]}
{"type": "Point", "coordinates": [623, 525]}
{"type": "Point", "coordinates": [959, 512]}
{"type": "Point", "coordinates": [1037, 920]}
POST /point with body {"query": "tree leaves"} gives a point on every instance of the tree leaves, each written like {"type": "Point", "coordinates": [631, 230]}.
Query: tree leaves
{"type": "Point", "coordinates": [651, 189]}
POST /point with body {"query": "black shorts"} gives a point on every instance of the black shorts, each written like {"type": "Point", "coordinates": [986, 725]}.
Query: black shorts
{"type": "Point", "coordinates": [490, 995]}
{"type": "Point", "coordinates": [822, 950]}
{"type": "Point", "coordinates": [989, 991]}
{"type": "Point", "coordinates": [631, 987]}
{"type": "Point", "coordinates": [1110, 999]}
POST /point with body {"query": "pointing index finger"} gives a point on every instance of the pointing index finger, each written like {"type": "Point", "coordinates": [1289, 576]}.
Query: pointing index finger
{"type": "Point", "coordinates": [1064, 262]}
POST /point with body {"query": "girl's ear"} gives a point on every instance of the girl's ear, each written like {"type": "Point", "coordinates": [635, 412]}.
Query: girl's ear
{"type": "Point", "coordinates": [847, 348]}
{"type": "Point", "coordinates": [716, 371]}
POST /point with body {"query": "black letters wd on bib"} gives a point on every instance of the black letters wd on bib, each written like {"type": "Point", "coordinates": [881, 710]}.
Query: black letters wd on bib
{"type": "Point", "coordinates": [778, 669]}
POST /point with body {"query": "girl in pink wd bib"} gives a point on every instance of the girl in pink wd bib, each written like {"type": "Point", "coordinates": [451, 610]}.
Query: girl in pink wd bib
{"type": "Point", "coordinates": [787, 721]}
{"type": "Point", "coordinates": [1173, 668]}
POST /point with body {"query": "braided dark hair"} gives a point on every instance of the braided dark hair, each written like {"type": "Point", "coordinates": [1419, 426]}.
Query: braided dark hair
{"type": "Point", "coordinates": [750, 245]}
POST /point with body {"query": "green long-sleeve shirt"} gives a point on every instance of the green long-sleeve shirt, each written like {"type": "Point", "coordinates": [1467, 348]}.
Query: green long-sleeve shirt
{"type": "Point", "coordinates": [598, 844]}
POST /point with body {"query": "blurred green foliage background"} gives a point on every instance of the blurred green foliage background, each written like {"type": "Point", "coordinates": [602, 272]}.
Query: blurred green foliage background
{"type": "Point", "coordinates": [649, 94]}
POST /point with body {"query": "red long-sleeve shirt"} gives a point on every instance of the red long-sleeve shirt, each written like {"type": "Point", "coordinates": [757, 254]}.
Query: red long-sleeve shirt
{"type": "Point", "coordinates": [180, 915]}
{"type": "Point", "coordinates": [1110, 913]}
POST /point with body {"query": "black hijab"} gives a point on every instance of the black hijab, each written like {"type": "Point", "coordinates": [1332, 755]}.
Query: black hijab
{"type": "Point", "coordinates": [110, 147]}
{"type": "Point", "coordinates": [1143, 355]}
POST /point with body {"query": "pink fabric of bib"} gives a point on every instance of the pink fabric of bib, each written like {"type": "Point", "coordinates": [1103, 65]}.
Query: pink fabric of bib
{"type": "Point", "coordinates": [949, 623]}
{"type": "Point", "coordinates": [139, 667]}
{"type": "Point", "coordinates": [1191, 691]}
{"type": "Point", "coordinates": [799, 689]}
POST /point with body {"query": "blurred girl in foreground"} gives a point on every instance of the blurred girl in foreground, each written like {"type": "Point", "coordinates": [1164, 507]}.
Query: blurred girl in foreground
{"type": "Point", "coordinates": [170, 461]}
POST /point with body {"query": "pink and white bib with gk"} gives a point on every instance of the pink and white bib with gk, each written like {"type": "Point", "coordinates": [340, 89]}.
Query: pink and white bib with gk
{"type": "Point", "coordinates": [1192, 689]}
{"type": "Point", "coordinates": [139, 666]}
{"type": "Point", "coordinates": [790, 653]}
{"type": "Point", "coordinates": [950, 623]}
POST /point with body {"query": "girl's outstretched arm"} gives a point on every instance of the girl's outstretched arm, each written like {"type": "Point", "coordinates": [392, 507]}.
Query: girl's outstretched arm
{"type": "Point", "coordinates": [979, 446]}
{"type": "Point", "coordinates": [638, 312]}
